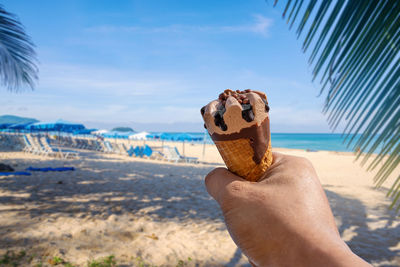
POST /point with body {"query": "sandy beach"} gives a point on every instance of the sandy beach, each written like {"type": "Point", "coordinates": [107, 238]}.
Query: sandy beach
{"type": "Point", "coordinates": [147, 212]}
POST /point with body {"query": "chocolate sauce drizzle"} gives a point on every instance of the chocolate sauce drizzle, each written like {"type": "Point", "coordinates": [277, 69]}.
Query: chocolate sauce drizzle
{"type": "Point", "coordinates": [258, 135]}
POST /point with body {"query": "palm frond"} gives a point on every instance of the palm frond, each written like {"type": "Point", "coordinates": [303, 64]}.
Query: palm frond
{"type": "Point", "coordinates": [17, 54]}
{"type": "Point", "coordinates": [354, 49]}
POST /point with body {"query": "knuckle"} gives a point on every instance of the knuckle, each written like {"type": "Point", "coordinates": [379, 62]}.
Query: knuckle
{"type": "Point", "coordinates": [231, 194]}
{"type": "Point", "coordinates": [236, 187]}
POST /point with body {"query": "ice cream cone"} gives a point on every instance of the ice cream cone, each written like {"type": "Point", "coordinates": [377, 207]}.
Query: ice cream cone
{"type": "Point", "coordinates": [238, 123]}
{"type": "Point", "coordinates": [238, 157]}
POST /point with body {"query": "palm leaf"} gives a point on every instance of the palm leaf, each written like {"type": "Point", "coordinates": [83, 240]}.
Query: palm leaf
{"type": "Point", "coordinates": [17, 56]}
{"type": "Point", "coordinates": [354, 49]}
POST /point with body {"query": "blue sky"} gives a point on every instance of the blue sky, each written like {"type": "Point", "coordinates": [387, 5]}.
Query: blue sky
{"type": "Point", "coordinates": [154, 64]}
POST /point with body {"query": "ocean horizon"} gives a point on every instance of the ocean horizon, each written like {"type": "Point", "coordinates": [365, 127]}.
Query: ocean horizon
{"type": "Point", "coordinates": [305, 141]}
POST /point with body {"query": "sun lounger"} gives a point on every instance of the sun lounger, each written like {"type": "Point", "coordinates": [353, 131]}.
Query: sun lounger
{"type": "Point", "coordinates": [115, 148]}
{"type": "Point", "coordinates": [151, 153]}
{"type": "Point", "coordinates": [186, 159]}
{"type": "Point", "coordinates": [37, 146]}
{"type": "Point", "coordinates": [107, 148]}
{"type": "Point", "coordinates": [28, 146]}
{"type": "Point", "coordinates": [122, 149]}
{"type": "Point", "coordinates": [57, 151]}
{"type": "Point", "coordinates": [170, 154]}
{"type": "Point", "coordinates": [12, 141]}
{"type": "Point", "coordinates": [94, 145]}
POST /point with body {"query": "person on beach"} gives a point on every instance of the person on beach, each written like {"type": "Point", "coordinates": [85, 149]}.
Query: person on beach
{"type": "Point", "coordinates": [284, 219]}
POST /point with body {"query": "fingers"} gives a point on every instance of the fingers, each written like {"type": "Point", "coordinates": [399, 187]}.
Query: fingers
{"type": "Point", "coordinates": [218, 180]}
{"type": "Point", "coordinates": [276, 157]}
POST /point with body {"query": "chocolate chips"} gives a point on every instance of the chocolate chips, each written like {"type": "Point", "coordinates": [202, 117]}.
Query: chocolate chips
{"type": "Point", "coordinates": [240, 96]}
{"type": "Point", "coordinates": [219, 119]}
{"type": "Point", "coordinates": [242, 99]}
{"type": "Point", "coordinates": [247, 112]}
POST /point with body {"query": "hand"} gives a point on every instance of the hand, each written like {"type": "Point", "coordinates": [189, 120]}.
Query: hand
{"type": "Point", "coordinates": [282, 220]}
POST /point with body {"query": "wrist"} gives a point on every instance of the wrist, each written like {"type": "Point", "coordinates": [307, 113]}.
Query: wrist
{"type": "Point", "coordinates": [332, 253]}
{"type": "Point", "coordinates": [328, 252]}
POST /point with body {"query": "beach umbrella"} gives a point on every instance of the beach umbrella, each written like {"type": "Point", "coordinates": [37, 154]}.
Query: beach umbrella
{"type": "Point", "coordinates": [115, 135]}
{"type": "Point", "coordinates": [153, 136]}
{"type": "Point", "coordinates": [5, 125]}
{"type": "Point", "coordinates": [17, 127]}
{"type": "Point", "coordinates": [183, 137]}
{"type": "Point", "coordinates": [84, 131]}
{"type": "Point", "coordinates": [56, 126]}
{"type": "Point", "coordinates": [139, 136]}
{"type": "Point", "coordinates": [100, 132]}
{"type": "Point", "coordinates": [166, 136]}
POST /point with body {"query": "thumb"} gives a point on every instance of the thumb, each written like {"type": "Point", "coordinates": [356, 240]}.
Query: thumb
{"type": "Point", "coordinates": [218, 180]}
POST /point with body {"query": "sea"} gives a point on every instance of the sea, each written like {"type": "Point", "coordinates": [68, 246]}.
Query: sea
{"type": "Point", "coordinates": [306, 141]}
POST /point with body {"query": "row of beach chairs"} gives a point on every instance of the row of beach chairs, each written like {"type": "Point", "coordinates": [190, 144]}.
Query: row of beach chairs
{"type": "Point", "coordinates": [40, 145]}
{"type": "Point", "coordinates": [11, 142]}
{"type": "Point", "coordinates": [92, 144]}
{"type": "Point", "coordinates": [87, 144]}
{"type": "Point", "coordinates": [166, 153]}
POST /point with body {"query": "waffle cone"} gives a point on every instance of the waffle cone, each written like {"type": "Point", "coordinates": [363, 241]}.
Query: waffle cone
{"type": "Point", "coordinates": [238, 157]}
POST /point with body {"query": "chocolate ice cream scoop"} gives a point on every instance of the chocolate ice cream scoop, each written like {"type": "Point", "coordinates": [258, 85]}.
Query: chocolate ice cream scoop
{"type": "Point", "coordinates": [234, 110]}
{"type": "Point", "coordinates": [240, 117]}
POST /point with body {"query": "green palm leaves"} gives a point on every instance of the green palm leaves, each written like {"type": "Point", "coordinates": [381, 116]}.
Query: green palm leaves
{"type": "Point", "coordinates": [355, 52]}
{"type": "Point", "coordinates": [17, 56]}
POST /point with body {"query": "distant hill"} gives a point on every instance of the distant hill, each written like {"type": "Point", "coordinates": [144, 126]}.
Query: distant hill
{"type": "Point", "coordinates": [15, 119]}
{"type": "Point", "coordinates": [122, 129]}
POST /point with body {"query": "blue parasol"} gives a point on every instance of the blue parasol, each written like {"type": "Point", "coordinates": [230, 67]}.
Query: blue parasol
{"type": "Point", "coordinates": [166, 136]}
{"type": "Point", "coordinates": [5, 125]}
{"type": "Point", "coordinates": [19, 126]}
{"type": "Point", "coordinates": [84, 131]}
{"type": "Point", "coordinates": [183, 137]}
{"type": "Point", "coordinates": [116, 134]}
{"type": "Point", "coordinates": [56, 126]}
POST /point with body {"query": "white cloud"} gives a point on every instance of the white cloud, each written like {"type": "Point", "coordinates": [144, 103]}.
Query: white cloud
{"type": "Point", "coordinates": [99, 80]}
{"type": "Point", "coordinates": [92, 93]}
{"type": "Point", "coordinates": [260, 25]}
{"type": "Point", "coordinates": [104, 94]}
